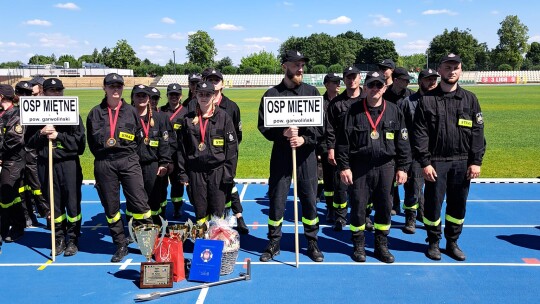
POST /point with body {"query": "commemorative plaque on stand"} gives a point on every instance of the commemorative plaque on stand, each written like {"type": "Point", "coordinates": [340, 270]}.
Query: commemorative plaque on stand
{"type": "Point", "coordinates": [153, 274]}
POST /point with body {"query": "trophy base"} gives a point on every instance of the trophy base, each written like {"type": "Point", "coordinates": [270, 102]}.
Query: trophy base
{"type": "Point", "coordinates": [156, 275]}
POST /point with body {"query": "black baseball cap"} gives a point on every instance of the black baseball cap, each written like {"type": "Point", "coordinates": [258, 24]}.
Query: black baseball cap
{"type": "Point", "coordinates": [23, 86]}
{"type": "Point", "coordinates": [37, 80]}
{"type": "Point", "coordinates": [401, 73]}
{"type": "Point", "coordinates": [332, 77]}
{"type": "Point", "coordinates": [427, 73]}
{"type": "Point", "coordinates": [140, 88]}
{"type": "Point", "coordinates": [154, 92]}
{"type": "Point", "coordinates": [53, 83]}
{"type": "Point", "coordinates": [374, 76]}
{"type": "Point", "coordinates": [194, 77]}
{"type": "Point", "coordinates": [205, 86]}
{"type": "Point", "coordinates": [451, 57]}
{"type": "Point", "coordinates": [174, 88]}
{"type": "Point", "coordinates": [7, 90]}
{"type": "Point", "coordinates": [212, 72]}
{"type": "Point", "coordinates": [113, 78]}
{"type": "Point", "coordinates": [350, 70]}
{"type": "Point", "coordinates": [387, 64]}
{"type": "Point", "coordinates": [293, 56]}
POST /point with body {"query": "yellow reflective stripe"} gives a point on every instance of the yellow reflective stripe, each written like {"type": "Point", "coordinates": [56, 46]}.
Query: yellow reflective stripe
{"type": "Point", "coordinates": [228, 204]}
{"type": "Point", "coordinates": [310, 222]}
{"type": "Point", "coordinates": [156, 212]}
{"type": "Point", "coordinates": [357, 228]}
{"type": "Point", "coordinates": [320, 182]}
{"type": "Point", "coordinates": [129, 213]}
{"type": "Point", "coordinates": [413, 207]}
{"type": "Point", "coordinates": [176, 199]}
{"type": "Point", "coordinates": [383, 227]}
{"type": "Point", "coordinates": [203, 220]}
{"type": "Point", "coordinates": [328, 193]}
{"type": "Point", "coordinates": [234, 189]}
{"type": "Point", "coordinates": [141, 216]}
{"type": "Point", "coordinates": [164, 203]}
{"type": "Point", "coordinates": [115, 219]}
{"type": "Point", "coordinates": [340, 206]}
{"type": "Point", "coordinates": [369, 206]}
{"type": "Point", "coordinates": [74, 219]}
{"type": "Point", "coordinates": [454, 220]}
{"type": "Point", "coordinates": [15, 201]}
{"type": "Point", "coordinates": [275, 223]}
{"type": "Point", "coordinates": [430, 223]}
{"type": "Point", "coordinates": [60, 219]}
{"type": "Point", "coordinates": [37, 192]}
{"type": "Point", "coordinates": [22, 189]}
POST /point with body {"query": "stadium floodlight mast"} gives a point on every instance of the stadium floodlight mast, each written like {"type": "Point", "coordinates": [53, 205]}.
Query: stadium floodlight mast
{"type": "Point", "coordinates": [174, 61]}
{"type": "Point", "coordinates": [427, 58]}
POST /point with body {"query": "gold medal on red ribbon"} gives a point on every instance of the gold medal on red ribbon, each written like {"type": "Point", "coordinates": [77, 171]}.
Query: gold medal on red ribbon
{"type": "Point", "coordinates": [146, 141]}
{"type": "Point", "coordinates": [374, 134]}
{"type": "Point", "coordinates": [202, 146]}
{"type": "Point", "coordinates": [111, 142]}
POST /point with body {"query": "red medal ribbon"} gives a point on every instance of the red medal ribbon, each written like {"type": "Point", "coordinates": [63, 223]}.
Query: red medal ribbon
{"type": "Point", "coordinates": [374, 125]}
{"type": "Point", "coordinates": [112, 122]}
{"type": "Point", "coordinates": [219, 100]}
{"type": "Point", "coordinates": [145, 127]}
{"type": "Point", "coordinates": [203, 127]}
{"type": "Point", "coordinates": [175, 113]}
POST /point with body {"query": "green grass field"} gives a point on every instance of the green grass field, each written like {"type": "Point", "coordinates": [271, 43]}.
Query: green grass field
{"type": "Point", "coordinates": [511, 115]}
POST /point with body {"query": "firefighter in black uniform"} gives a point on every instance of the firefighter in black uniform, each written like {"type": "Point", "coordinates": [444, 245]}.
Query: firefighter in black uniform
{"type": "Point", "coordinates": [175, 112]}
{"type": "Point", "coordinates": [231, 108]}
{"type": "Point", "coordinates": [386, 67]}
{"type": "Point", "coordinates": [336, 113]}
{"type": "Point", "coordinates": [12, 154]}
{"type": "Point", "coordinates": [209, 154]}
{"type": "Point", "coordinates": [372, 150]}
{"type": "Point", "coordinates": [68, 143]}
{"type": "Point", "coordinates": [114, 133]}
{"type": "Point", "coordinates": [304, 139]}
{"type": "Point", "coordinates": [31, 194]}
{"type": "Point", "coordinates": [154, 153]}
{"type": "Point", "coordinates": [449, 144]}
{"type": "Point", "coordinates": [193, 79]}
{"type": "Point", "coordinates": [332, 83]}
{"type": "Point", "coordinates": [394, 93]}
{"type": "Point", "coordinates": [413, 203]}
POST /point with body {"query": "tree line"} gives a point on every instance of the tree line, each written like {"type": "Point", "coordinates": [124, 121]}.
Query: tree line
{"type": "Point", "coordinates": [327, 53]}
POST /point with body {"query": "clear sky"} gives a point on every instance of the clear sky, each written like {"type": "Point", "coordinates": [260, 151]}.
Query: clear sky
{"type": "Point", "coordinates": [157, 28]}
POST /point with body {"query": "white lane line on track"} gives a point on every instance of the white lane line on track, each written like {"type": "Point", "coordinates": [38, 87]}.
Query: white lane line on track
{"type": "Point", "coordinates": [125, 264]}
{"type": "Point", "coordinates": [243, 192]}
{"type": "Point", "coordinates": [202, 295]}
{"type": "Point", "coordinates": [393, 226]}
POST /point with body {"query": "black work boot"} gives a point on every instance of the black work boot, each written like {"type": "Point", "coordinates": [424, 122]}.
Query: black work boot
{"type": "Point", "coordinates": [271, 250]}
{"type": "Point", "coordinates": [330, 214]}
{"type": "Point", "coordinates": [14, 234]}
{"type": "Point", "coordinates": [410, 222]}
{"type": "Point", "coordinates": [381, 249]}
{"type": "Point", "coordinates": [121, 252]}
{"type": "Point", "coordinates": [241, 226]}
{"type": "Point", "coordinates": [314, 252]}
{"type": "Point", "coordinates": [453, 251]}
{"type": "Point", "coordinates": [71, 248]}
{"type": "Point", "coordinates": [59, 246]}
{"type": "Point", "coordinates": [433, 251]}
{"type": "Point", "coordinates": [369, 224]}
{"type": "Point", "coordinates": [339, 224]}
{"type": "Point", "coordinates": [359, 253]}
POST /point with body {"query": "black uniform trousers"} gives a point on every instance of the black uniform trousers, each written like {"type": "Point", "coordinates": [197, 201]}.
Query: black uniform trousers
{"type": "Point", "coordinates": [33, 185]}
{"type": "Point", "coordinates": [153, 185]}
{"type": "Point", "coordinates": [452, 181]}
{"type": "Point", "coordinates": [414, 186]}
{"type": "Point", "coordinates": [207, 193]}
{"type": "Point", "coordinates": [177, 188]}
{"type": "Point", "coordinates": [109, 174]}
{"type": "Point", "coordinates": [328, 172]}
{"type": "Point", "coordinates": [341, 195]}
{"type": "Point", "coordinates": [233, 200]}
{"type": "Point", "coordinates": [11, 210]}
{"type": "Point", "coordinates": [67, 182]}
{"type": "Point", "coordinates": [371, 182]}
{"type": "Point", "coordinates": [279, 184]}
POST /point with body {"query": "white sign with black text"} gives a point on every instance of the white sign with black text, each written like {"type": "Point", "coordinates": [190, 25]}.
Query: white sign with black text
{"type": "Point", "coordinates": [298, 111]}
{"type": "Point", "coordinates": [49, 110]}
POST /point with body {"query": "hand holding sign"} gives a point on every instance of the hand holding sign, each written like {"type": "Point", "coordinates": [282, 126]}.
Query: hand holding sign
{"type": "Point", "coordinates": [290, 132]}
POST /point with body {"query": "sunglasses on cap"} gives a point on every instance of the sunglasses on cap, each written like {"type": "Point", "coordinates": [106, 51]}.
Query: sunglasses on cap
{"type": "Point", "coordinates": [375, 84]}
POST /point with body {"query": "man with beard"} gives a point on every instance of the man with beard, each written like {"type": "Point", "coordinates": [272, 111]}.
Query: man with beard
{"type": "Point", "coordinates": [449, 144]}
{"type": "Point", "coordinates": [304, 140]}
{"type": "Point", "coordinates": [414, 197]}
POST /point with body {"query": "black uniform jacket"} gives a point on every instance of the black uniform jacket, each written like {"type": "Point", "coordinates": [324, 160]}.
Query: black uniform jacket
{"type": "Point", "coordinates": [281, 147]}
{"type": "Point", "coordinates": [69, 144]}
{"type": "Point", "coordinates": [321, 138]}
{"type": "Point", "coordinates": [408, 107]}
{"type": "Point", "coordinates": [175, 118]}
{"type": "Point", "coordinates": [221, 146]}
{"type": "Point", "coordinates": [127, 132]}
{"type": "Point", "coordinates": [448, 126]}
{"type": "Point", "coordinates": [334, 117]}
{"type": "Point", "coordinates": [11, 136]}
{"type": "Point", "coordinates": [390, 95]}
{"type": "Point", "coordinates": [354, 142]}
{"type": "Point", "coordinates": [157, 149]}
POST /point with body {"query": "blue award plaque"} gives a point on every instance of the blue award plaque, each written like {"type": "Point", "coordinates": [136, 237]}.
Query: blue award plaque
{"type": "Point", "coordinates": [206, 261]}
